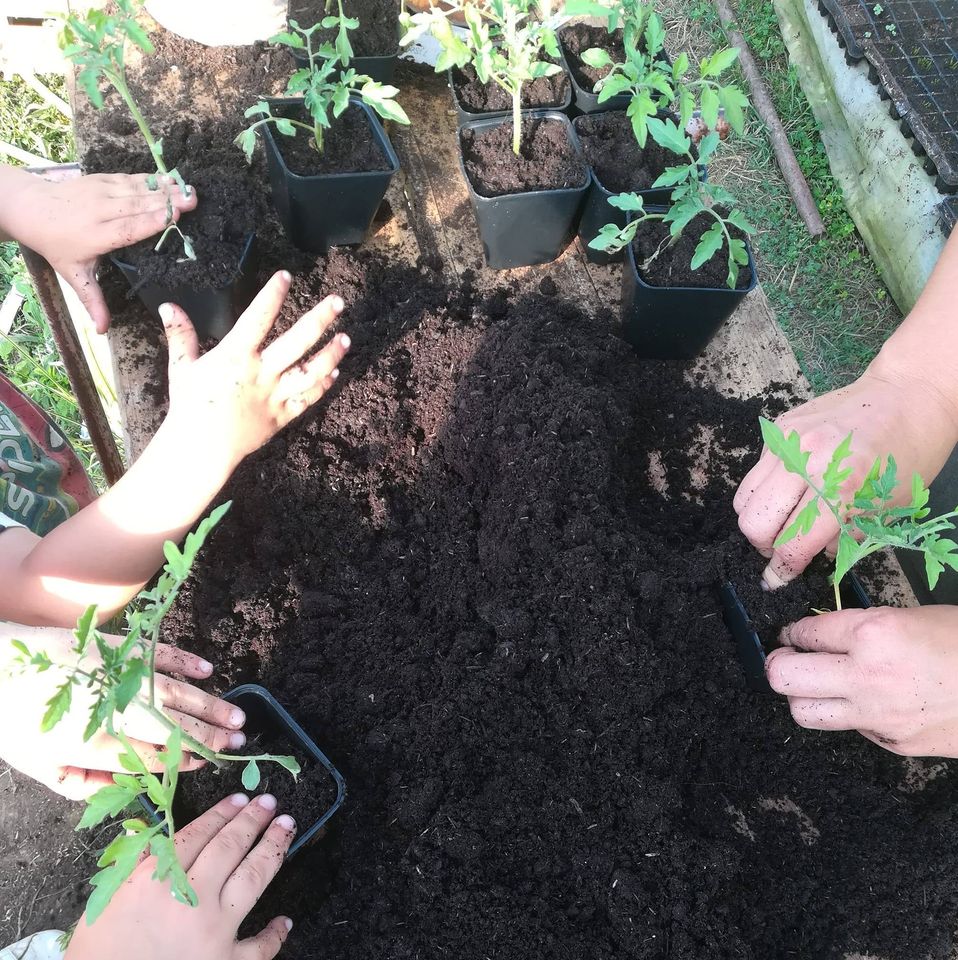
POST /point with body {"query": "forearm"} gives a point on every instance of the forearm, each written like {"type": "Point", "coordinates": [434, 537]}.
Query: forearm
{"type": "Point", "coordinates": [110, 549]}
{"type": "Point", "coordinates": [925, 345]}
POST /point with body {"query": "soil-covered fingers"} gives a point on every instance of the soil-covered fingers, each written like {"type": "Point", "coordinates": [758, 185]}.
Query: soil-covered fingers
{"type": "Point", "coordinates": [171, 659]}
{"type": "Point", "coordinates": [227, 850]}
{"type": "Point", "coordinates": [124, 231]}
{"type": "Point", "coordinates": [150, 185]}
{"type": "Point", "coordinates": [82, 277]}
{"type": "Point", "coordinates": [267, 943]}
{"type": "Point", "coordinates": [248, 881]}
{"type": "Point", "coordinates": [765, 515]}
{"type": "Point", "coordinates": [320, 372]}
{"type": "Point", "coordinates": [828, 714]}
{"type": "Point", "coordinates": [292, 346]}
{"type": "Point", "coordinates": [192, 839]}
{"type": "Point", "coordinates": [184, 697]}
{"type": "Point", "coordinates": [825, 633]}
{"type": "Point", "coordinates": [258, 318]}
{"type": "Point", "coordinates": [789, 559]}
{"type": "Point", "coordinates": [78, 783]}
{"type": "Point", "coordinates": [815, 675]}
{"type": "Point", "coordinates": [140, 205]}
{"type": "Point", "coordinates": [753, 480]}
{"type": "Point", "coordinates": [181, 337]}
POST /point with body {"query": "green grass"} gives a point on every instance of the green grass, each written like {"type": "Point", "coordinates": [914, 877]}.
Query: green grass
{"type": "Point", "coordinates": [827, 293]}
{"type": "Point", "coordinates": [28, 354]}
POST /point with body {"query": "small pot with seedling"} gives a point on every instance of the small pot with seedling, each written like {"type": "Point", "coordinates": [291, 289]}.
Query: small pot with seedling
{"type": "Point", "coordinates": [115, 678]}
{"type": "Point", "coordinates": [96, 43]}
{"type": "Point", "coordinates": [677, 256]}
{"type": "Point", "coordinates": [379, 65]}
{"type": "Point", "coordinates": [328, 184]}
{"type": "Point", "coordinates": [525, 172]}
{"type": "Point", "coordinates": [867, 523]}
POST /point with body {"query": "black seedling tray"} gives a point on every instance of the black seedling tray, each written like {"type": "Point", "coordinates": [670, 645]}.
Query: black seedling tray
{"type": "Point", "coordinates": [264, 714]}
{"type": "Point", "coordinates": [911, 47]}
{"type": "Point", "coordinates": [748, 644]}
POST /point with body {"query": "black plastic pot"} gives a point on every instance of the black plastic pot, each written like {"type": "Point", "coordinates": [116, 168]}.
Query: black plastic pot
{"type": "Point", "coordinates": [464, 115]}
{"type": "Point", "coordinates": [675, 323]}
{"type": "Point", "coordinates": [330, 209]}
{"type": "Point", "coordinates": [522, 229]}
{"type": "Point", "coordinates": [748, 644]}
{"type": "Point", "coordinates": [584, 100]}
{"type": "Point", "coordinates": [597, 211]}
{"type": "Point", "coordinates": [264, 714]}
{"type": "Point", "coordinates": [212, 311]}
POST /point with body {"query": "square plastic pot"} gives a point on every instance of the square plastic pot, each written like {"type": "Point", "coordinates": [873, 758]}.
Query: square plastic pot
{"type": "Point", "coordinates": [675, 323]}
{"type": "Point", "coordinates": [213, 311]}
{"type": "Point", "coordinates": [381, 68]}
{"type": "Point", "coordinates": [329, 209]}
{"type": "Point", "coordinates": [464, 115]}
{"type": "Point", "coordinates": [585, 101]}
{"type": "Point", "coordinates": [748, 644]}
{"type": "Point", "coordinates": [264, 714]}
{"type": "Point", "coordinates": [522, 229]}
{"type": "Point", "coordinates": [597, 211]}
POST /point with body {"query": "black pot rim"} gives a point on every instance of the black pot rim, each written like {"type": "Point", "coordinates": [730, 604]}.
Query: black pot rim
{"type": "Point", "coordinates": [126, 265]}
{"type": "Point", "coordinates": [618, 102]}
{"type": "Point", "coordinates": [738, 291]}
{"type": "Point", "coordinates": [374, 123]}
{"type": "Point", "coordinates": [495, 114]}
{"type": "Point", "coordinates": [527, 115]}
{"type": "Point", "coordinates": [595, 177]}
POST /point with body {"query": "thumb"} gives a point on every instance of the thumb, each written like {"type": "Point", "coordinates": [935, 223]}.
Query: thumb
{"type": "Point", "coordinates": [181, 338]}
{"type": "Point", "coordinates": [267, 943]}
{"type": "Point", "coordinates": [82, 278]}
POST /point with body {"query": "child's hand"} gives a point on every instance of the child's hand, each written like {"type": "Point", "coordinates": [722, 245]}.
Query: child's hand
{"type": "Point", "coordinates": [237, 397]}
{"type": "Point", "coordinates": [229, 871]}
{"type": "Point", "coordinates": [75, 768]}
{"type": "Point", "coordinates": [72, 222]}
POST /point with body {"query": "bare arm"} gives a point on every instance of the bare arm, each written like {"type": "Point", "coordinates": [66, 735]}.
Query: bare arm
{"type": "Point", "coordinates": [223, 406]}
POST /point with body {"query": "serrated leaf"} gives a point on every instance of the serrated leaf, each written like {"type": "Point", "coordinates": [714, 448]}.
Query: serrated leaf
{"type": "Point", "coordinates": [630, 202]}
{"type": "Point", "coordinates": [788, 449]}
{"type": "Point", "coordinates": [709, 244]}
{"type": "Point", "coordinates": [58, 706]}
{"type": "Point", "coordinates": [596, 57]}
{"type": "Point", "coordinates": [847, 555]}
{"type": "Point", "coordinates": [719, 62]}
{"type": "Point", "coordinates": [107, 802]}
{"type": "Point", "coordinates": [710, 107]}
{"type": "Point", "coordinates": [666, 134]}
{"type": "Point", "coordinates": [801, 525]}
{"type": "Point", "coordinates": [119, 860]}
{"type": "Point", "coordinates": [293, 40]}
{"type": "Point", "coordinates": [835, 475]}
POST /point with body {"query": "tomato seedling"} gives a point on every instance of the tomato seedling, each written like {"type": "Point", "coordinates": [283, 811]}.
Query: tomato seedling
{"type": "Point", "coordinates": [118, 678]}
{"type": "Point", "coordinates": [96, 43]}
{"type": "Point", "coordinates": [867, 522]}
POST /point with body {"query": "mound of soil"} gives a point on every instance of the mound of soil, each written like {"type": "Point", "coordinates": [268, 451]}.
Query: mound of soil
{"type": "Point", "coordinates": [483, 572]}
{"type": "Point", "coordinates": [673, 266]}
{"type": "Point", "coordinates": [478, 97]}
{"type": "Point", "coordinates": [618, 162]}
{"type": "Point", "coordinates": [349, 146]}
{"type": "Point", "coordinates": [547, 159]}
{"type": "Point", "coordinates": [579, 37]}
{"type": "Point", "coordinates": [377, 34]}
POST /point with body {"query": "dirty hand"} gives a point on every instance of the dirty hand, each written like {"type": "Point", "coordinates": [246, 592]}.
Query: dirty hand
{"type": "Point", "coordinates": [889, 673]}
{"type": "Point", "coordinates": [887, 411]}
{"type": "Point", "coordinates": [238, 396]}
{"type": "Point", "coordinates": [228, 869]}
{"type": "Point", "coordinates": [61, 759]}
{"type": "Point", "coordinates": [72, 222]}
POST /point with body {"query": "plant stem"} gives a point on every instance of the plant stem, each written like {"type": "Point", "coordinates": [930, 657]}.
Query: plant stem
{"type": "Point", "coordinates": [517, 120]}
{"type": "Point", "coordinates": [119, 82]}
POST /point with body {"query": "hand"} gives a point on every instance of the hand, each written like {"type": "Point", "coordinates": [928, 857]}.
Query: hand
{"type": "Point", "coordinates": [888, 412]}
{"type": "Point", "coordinates": [229, 871]}
{"type": "Point", "coordinates": [61, 759]}
{"type": "Point", "coordinates": [72, 222]}
{"type": "Point", "coordinates": [891, 674]}
{"type": "Point", "coordinates": [237, 397]}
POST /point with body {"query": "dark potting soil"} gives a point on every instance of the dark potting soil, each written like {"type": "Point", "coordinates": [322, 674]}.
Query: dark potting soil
{"type": "Point", "coordinates": [349, 146]}
{"type": "Point", "coordinates": [224, 217]}
{"type": "Point", "coordinates": [483, 573]}
{"type": "Point", "coordinates": [579, 37]}
{"type": "Point", "coordinates": [479, 97]}
{"type": "Point", "coordinates": [618, 162]}
{"type": "Point", "coordinates": [547, 159]}
{"type": "Point", "coordinates": [672, 268]}
{"type": "Point", "coordinates": [377, 34]}
{"type": "Point", "coordinates": [305, 798]}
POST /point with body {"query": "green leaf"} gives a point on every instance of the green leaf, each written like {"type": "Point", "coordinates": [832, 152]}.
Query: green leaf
{"type": "Point", "coordinates": [787, 449]}
{"type": "Point", "coordinates": [630, 202]}
{"type": "Point", "coordinates": [710, 244]}
{"type": "Point", "coordinates": [119, 860]}
{"type": "Point", "coordinates": [285, 127]}
{"type": "Point", "coordinates": [734, 102]}
{"type": "Point", "coordinates": [138, 35]}
{"type": "Point", "coordinates": [85, 624]}
{"type": "Point", "coordinates": [848, 554]}
{"type": "Point", "coordinates": [293, 40]}
{"type": "Point", "coordinates": [682, 213]}
{"type": "Point", "coordinates": [169, 869]}
{"type": "Point", "coordinates": [835, 474]}
{"type": "Point", "coordinates": [672, 176]}
{"type": "Point", "coordinates": [107, 802]}
{"type": "Point", "coordinates": [597, 58]}
{"type": "Point", "coordinates": [251, 775]}
{"type": "Point", "coordinates": [710, 107]}
{"type": "Point", "coordinates": [802, 524]}
{"type": "Point", "coordinates": [58, 706]}
{"type": "Point", "coordinates": [258, 109]}
{"type": "Point", "coordinates": [130, 682]}
{"type": "Point", "coordinates": [666, 134]}
{"type": "Point", "coordinates": [719, 62]}
{"type": "Point", "coordinates": [289, 763]}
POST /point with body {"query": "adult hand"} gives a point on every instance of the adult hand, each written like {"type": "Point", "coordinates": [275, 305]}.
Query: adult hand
{"type": "Point", "coordinates": [72, 222]}
{"type": "Point", "coordinates": [238, 396]}
{"type": "Point", "coordinates": [887, 411]}
{"type": "Point", "coordinates": [228, 869]}
{"type": "Point", "coordinates": [61, 759]}
{"type": "Point", "coordinates": [889, 673]}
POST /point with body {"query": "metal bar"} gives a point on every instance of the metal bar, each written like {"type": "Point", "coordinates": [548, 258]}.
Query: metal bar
{"type": "Point", "coordinates": [64, 333]}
